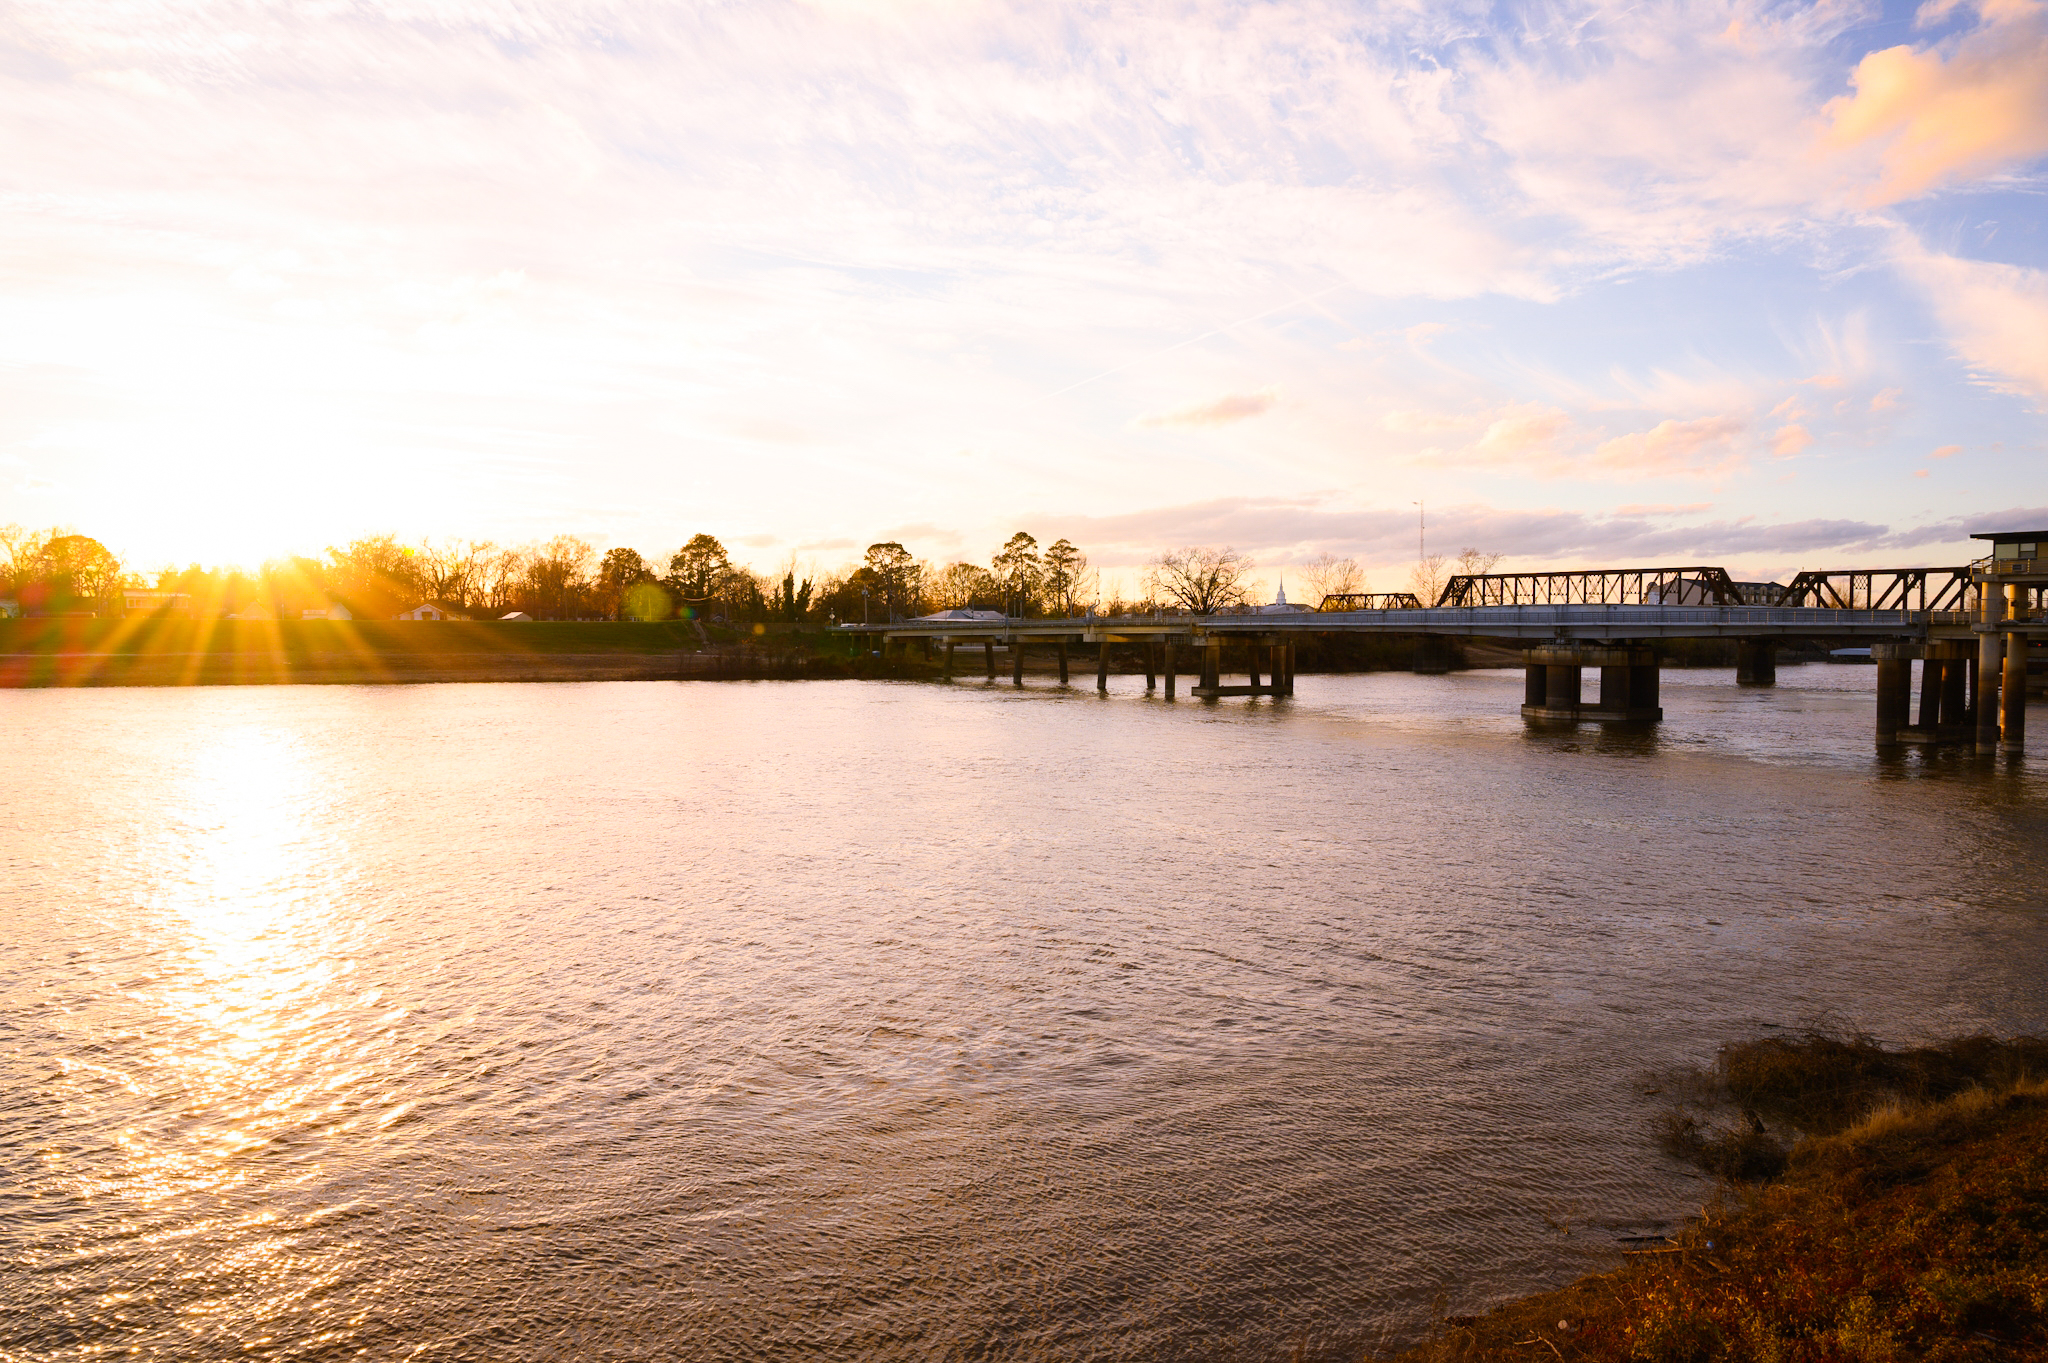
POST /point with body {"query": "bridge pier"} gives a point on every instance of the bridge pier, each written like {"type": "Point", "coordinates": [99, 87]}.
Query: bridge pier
{"type": "Point", "coordinates": [1756, 662]}
{"type": "Point", "coordinates": [1628, 682]}
{"type": "Point", "coordinates": [1894, 689]}
{"type": "Point", "coordinates": [1063, 662]}
{"type": "Point", "coordinates": [1102, 666]}
{"type": "Point", "coordinates": [1432, 655]}
{"type": "Point", "coordinates": [2013, 729]}
{"type": "Point", "coordinates": [1151, 667]}
{"type": "Point", "coordinates": [1166, 666]}
{"type": "Point", "coordinates": [1944, 694]}
{"type": "Point", "coordinates": [988, 656]}
{"type": "Point", "coordinates": [1955, 689]}
{"type": "Point", "coordinates": [946, 670]}
{"type": "Point", "coordinates": [1990, 664]}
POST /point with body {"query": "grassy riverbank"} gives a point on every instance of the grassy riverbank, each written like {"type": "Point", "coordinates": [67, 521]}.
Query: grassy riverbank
{"type": "Point", "coordinates": [170, 652]}
{"type": "Point", "coordinates": [1884, 1205]}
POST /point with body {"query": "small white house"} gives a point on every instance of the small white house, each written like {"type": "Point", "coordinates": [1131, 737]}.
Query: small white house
{"type": "Point", "coordinates": [515, 615]}
{"type": "Point", "coordinates": [426, 610]}
{"type": "Point", "coordinates": [335, 611]}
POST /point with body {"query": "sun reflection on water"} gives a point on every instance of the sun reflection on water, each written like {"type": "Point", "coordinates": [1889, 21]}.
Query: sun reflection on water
{"type": "Point", "coordinates": [251, 1037]}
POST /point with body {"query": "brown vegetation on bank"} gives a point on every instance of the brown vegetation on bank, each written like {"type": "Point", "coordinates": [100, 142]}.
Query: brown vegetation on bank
{"type": "Point", "coordinates": [1881, 1205]}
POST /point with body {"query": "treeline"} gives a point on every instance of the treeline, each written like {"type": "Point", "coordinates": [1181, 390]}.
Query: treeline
{"type": "Point", "coordinates": [567, 578]}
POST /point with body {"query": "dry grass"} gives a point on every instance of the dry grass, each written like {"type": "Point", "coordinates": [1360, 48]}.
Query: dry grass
{"type": "Point", "coordinates": [1912, 1224]}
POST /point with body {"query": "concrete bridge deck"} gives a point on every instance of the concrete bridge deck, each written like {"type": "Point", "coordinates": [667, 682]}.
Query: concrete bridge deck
{"type": "Point", "coordinates": [1546, 623]}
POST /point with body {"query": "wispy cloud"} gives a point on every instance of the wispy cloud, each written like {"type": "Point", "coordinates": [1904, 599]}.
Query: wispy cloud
{"type": "Point", "coordinates": [1221, 412]}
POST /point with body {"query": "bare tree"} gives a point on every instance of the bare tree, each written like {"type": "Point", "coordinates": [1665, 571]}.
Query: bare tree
{"type": "Point", "coordinates": [1472, 563]}
{"type": "Point", "coordinates": [494, 583]}
{"type": "Point", "coordinates": [1328, 575]}
{"type": "Point", "coordinates": [961, 585]}
{"type": "Point", "coordinates": [1426, 579]}
{"type": "Point", "coordinates": [1199, 579]}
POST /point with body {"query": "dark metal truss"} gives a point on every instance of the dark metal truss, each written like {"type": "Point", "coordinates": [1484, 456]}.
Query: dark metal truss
{"type": "Point", "coordinates": [1371, 601]}
{"type": "Point", "coordinates": [1596, 587]}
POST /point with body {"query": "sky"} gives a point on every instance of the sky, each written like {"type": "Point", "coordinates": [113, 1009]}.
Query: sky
{"type": "Point", "coordinates": [1758, 285]}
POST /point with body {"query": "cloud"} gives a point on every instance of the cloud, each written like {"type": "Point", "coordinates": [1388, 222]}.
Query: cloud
{"type": "Point", "coordinates": [1958, 529]}
{"type": "Point", "coordinates": [1702, 447]}
{"type": "Point", "coordinates": [1221, 412]}
{"type": "Point", "coordinates": [1790, 440]}
{"type": "Point", "coordinates": [1996, 316]}
{"type": "Point", "coordinates": [1946, 452]}
{"type": "Point", "coordinates": [1522, 434]}
{"type": "Point", "coordinates": [1290, 528]}
{"type": "Point", "coordinates": [1935, 119]}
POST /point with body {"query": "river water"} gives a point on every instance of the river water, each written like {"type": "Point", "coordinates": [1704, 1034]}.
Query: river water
{"type": "Point", "coordinates": [910, 1021]}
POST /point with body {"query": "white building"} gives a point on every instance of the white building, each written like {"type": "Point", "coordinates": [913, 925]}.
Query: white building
{"type": "Point", "coordinates": [335, 611]}
{"type": "Point", "coordinates": [426, 610]}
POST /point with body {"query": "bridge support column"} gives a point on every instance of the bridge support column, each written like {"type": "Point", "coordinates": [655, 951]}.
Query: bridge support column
{"type": "Point", "coordinates": [1102, 667]}
{"type": "Point", "coordinates": [1432, 655]}
{"type": "Point", "coordinates": [1955, 688]}
{"type": "Point", "coordinates": [1628, 682]}
{"type": "Point", "coordinates": [1894, 690]}
{"type": "Point", "coordinates": [1990, 663]}
{"type": "Point", "coordinates": [1063, 662]}
{"type": "Point", "coordinates": [1756, 662]}
{"type": "Point", "coordinates": [1287, 660]}
{"type": "Point", "coordinates": [1166, 667]}
{"type": "Point", "coordinates": [1933, 678]}
{"type": "Point", "coordinates": [1563, 687]}
{"type": "Point", "coordinates": [1151, 667]}
{"type": "Point", "coordinates": [946, 669]}
{"type": "Point", "coordinates": [1251, 667]}
{"type": "Point", "coordinates": [1016, 662]}
{"type": "Point", "coordinates": [988, 657]}
{"type": "Point", "coordinates": [2013, 732]}
{"type": "Point", "coordinates": [1212, 663]}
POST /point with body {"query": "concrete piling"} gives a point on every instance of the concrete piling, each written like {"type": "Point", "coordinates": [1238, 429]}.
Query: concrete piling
{"type": "Point", "coordinates": [1990, 664]}
{"type": "Point", "coordinates": [1932, 670]}
{"type": "Point", "coordinates": [1628, 682]}
{"type": "Point", "coordinates": [1166, 666]}
{"type": "Point", "coordinates": [1063, 662]}
{"type": "Point", "coordinates": [1756, 662]}
{"type": "Point", "coordinates": [1102, 666]}
{"type": "Point", "coordinates": [1016, 662]}
{"type": "Point", "coordinates": [988, 656]}
{"type": "Point", "coordinates": [1562, 686]}
{"type": "Point", "coordinates": [1955, 688]}
{"type": "Point", "coordinates": [1894, 690]}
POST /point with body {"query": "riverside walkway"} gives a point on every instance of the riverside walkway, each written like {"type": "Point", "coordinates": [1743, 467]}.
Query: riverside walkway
{"type": "Point", "coordinates": [1971, 628]}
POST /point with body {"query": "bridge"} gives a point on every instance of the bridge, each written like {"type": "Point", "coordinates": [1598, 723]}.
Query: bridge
{"type": "Point", "coordinates": [1969, 627]}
